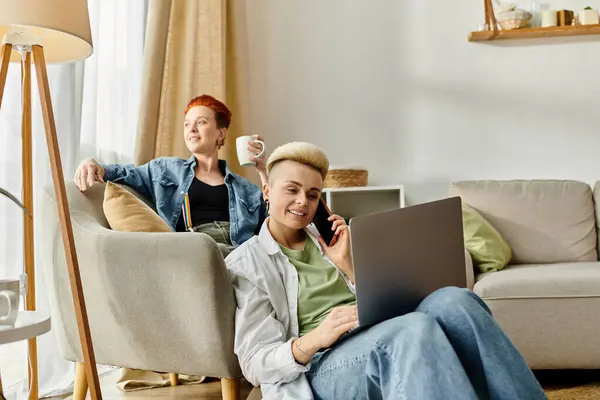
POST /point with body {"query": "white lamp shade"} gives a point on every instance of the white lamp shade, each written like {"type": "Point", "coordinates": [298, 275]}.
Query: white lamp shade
{"type": "Point", "coordinates": [64, 26]}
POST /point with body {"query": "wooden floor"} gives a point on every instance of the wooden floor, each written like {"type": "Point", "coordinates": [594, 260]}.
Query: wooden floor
{"type": "Point", "coordinates": [205, 390]}
{"type": "Point", "coordinates": [559, 385]}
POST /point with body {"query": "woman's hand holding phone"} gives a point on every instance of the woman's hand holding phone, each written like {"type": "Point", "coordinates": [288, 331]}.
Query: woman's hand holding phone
{"type": "Point", "coordinates": [338, 251]}
{"type": "Point", "coordinates": [338, 225]}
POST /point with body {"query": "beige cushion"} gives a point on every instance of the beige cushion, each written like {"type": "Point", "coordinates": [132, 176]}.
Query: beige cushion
{"type": "Point", "coordinates": [126, 213]}
{"type": "Point", "coordinates": [542, 220]}
{"type": "Point", "coordinates": [541, 280]}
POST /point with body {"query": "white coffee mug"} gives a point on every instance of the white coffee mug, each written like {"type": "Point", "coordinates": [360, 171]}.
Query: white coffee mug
{"type": "Point", "coordinates": [9, 301]}
{"type": "Point", "coordinates": [241, 144]}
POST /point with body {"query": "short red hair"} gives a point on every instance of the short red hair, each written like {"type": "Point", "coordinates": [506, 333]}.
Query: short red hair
{"type": "Point", "coordinates": [222, 113]}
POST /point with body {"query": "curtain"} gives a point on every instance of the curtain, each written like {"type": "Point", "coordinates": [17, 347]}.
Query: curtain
{"type": "Point", "coordinates": [193, 48]}
{"type": "Point", "coordinates": [95, 104]}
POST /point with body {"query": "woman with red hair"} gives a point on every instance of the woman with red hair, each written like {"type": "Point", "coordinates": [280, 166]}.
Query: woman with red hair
{"type": "Point", "coordinates": [199, 194]}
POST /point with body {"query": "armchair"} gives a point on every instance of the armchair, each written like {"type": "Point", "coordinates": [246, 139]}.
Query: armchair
{"type": "Point", "coordinates": [156, 301]}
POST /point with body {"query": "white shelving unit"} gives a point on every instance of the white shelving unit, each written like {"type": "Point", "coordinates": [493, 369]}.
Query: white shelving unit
{"type": "Point", "coordinates": [354, 201]}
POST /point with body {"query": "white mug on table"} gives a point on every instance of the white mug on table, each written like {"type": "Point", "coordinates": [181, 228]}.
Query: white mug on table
{"type": "Point", "coordinates": [241, 144]}
{"type": "Point", "coordinates": [9, 301]}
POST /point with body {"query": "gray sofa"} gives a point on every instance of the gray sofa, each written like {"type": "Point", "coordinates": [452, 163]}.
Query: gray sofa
{"type": "Point", "coordinates": [155, 301]}
{"type": "Point", "coordinates": [548, 298]}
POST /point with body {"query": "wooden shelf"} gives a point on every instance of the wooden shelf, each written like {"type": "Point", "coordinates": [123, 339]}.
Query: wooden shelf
{"type": "Point", "coordinates": [533, 33]}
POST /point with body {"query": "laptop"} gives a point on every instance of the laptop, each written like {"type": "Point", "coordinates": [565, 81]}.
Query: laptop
{"type": "Point", "coordinates": [403, 255]}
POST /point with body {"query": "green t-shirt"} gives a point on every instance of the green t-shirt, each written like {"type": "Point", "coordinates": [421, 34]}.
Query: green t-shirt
{"type": "Point", "coordinates": [320, 286]}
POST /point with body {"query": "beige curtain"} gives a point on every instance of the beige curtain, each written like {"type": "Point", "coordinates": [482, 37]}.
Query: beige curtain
{"type": "Point", "coordinates": [193, 47]}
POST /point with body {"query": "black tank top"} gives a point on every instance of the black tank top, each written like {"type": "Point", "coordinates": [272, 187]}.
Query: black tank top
{"type": "Point", "coordinates": [207, 204]}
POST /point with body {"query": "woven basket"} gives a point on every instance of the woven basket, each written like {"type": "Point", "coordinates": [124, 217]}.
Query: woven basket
{"type": "Point", "coordinates": [511, 24]}
{"type": "Point", "coordinates": [346, 177]}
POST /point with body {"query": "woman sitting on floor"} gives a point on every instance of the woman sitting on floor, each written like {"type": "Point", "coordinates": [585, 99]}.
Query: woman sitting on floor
{"type": "Point", "coordinates": [200, 194]}
{"type": "Point", "coordinates": [295, 299]}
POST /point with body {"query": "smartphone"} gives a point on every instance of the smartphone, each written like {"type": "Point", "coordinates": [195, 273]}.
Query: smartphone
{"type": "Point", "coordinates": [323, 225]}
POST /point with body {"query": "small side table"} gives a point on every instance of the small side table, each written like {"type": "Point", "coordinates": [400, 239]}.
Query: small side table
{"type": "Point", "coordinates": [29, 324]}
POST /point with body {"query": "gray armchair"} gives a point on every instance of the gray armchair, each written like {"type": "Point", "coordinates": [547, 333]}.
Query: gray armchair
{"type": "Point", "coordinates": [155, 301]}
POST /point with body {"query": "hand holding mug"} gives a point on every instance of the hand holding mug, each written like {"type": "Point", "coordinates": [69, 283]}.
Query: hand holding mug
{"type": "Point", "coordinates": [251, 151]}
{"type": "Point", "coordinates": [256, 148]}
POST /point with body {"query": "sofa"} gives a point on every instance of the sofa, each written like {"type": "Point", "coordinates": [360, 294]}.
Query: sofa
{"type": "Point", "coordinates": [547, 299]}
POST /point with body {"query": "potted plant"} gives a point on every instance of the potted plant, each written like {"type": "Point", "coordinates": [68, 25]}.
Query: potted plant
{"type": "Point", "coordinates": [14, 199]}
{"type": "Point", "coordinates": [588, 16]}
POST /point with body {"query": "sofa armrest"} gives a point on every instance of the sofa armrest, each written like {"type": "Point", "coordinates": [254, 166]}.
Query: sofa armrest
{"type": "Point", "coordinates": [470, 271]}
{"type": "Point", "coordinates": [155, 301]}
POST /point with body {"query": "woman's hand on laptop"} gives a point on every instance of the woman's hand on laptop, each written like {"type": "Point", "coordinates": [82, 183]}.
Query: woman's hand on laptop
{"type": "Point", "coordinates": [339, 251]}
{"type": "Point", "coordinates": [339, 321]}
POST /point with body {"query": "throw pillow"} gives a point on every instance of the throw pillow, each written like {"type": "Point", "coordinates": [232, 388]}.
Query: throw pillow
{"type": "Point", "coordinates": [126, 213]}
{"type": "Point", "coordinates": [489, 250]}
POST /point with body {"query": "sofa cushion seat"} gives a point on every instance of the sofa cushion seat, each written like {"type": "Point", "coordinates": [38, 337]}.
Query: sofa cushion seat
{"type": "Point", "coordinates": [549, 311]}
{"type": "Point", "coordinates": [559, 280]}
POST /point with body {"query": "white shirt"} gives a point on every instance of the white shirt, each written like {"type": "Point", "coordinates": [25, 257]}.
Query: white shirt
{"type": "Point", "coordinates": [266, 320]}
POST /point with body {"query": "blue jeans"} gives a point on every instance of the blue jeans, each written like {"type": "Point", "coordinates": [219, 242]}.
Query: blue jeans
{"type": "Point", "coordinates": [449, 348]}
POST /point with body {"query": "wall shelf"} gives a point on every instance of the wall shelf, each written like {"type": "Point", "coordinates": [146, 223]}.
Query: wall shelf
{"type": "Point", "coordinates": [533, 33]}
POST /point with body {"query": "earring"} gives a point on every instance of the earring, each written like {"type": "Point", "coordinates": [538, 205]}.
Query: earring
{"type": "Point", "coordinates": [267, 204]}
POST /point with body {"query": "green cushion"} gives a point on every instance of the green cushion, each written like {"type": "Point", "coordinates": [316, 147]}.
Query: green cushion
{"type": "Point", "coordinates": [489, 250]}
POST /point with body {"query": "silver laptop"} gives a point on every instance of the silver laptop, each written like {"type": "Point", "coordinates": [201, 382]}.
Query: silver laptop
{"type": "Point", "coordinates": [403, 255]}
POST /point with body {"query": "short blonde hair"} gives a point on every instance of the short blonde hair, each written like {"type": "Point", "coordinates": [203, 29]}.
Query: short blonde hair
{"type": "Point", "coordinates": [304, 153]}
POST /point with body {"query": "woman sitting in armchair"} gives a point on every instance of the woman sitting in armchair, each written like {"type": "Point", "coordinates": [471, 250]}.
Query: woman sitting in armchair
{"type": "Point", "coordinates": [295, 298]}
{"type": "Point", "coordinates": [199, 194]}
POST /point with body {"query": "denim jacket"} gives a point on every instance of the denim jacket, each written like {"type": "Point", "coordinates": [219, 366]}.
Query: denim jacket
{"type": "Point", "coordinates": [166, 180]}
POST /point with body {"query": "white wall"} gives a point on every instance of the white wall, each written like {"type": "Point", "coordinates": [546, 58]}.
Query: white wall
{"type": "Point", "coordinates": [394, 86]}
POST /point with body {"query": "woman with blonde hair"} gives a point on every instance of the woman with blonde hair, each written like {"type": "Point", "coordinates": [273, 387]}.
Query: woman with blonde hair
{"type": "Point", "coordinates": [199, 194]}
{"type": "Point", "coordinates": [295, 297]}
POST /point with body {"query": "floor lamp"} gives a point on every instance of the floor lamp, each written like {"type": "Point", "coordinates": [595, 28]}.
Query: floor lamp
{"type": "Point", "coordinates": [52, 31]}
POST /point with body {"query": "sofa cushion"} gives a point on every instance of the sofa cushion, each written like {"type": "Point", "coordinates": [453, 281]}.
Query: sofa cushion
{"type": "Point", "coordinates": [487, 247]}
{"type": "Point", "coordinates": [543, 221]}
{"type": "Point", "coordinates": [127, 213]}
{"type": "Point", "coordinates": [522, 281]}
{"type": "Point", "coordinates": [549, 311]}
{"type": "Point", "coordinates": [552, 332]}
